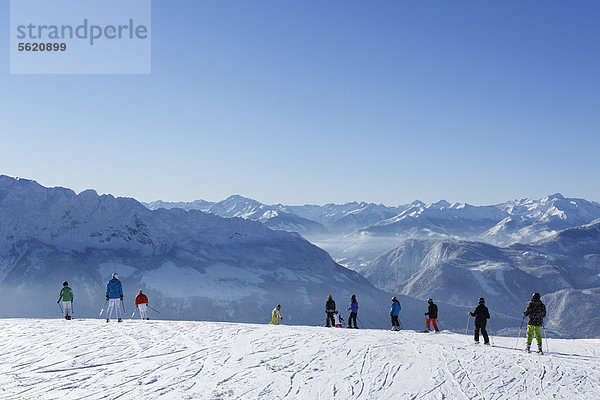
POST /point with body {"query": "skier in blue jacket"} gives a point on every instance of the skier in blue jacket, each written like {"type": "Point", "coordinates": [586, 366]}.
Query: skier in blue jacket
{"type": "Point", "coordinates": [353, 312]}
{"type": "Point", "coordinates": [394, 312]}
{"type": "Point", "coordinates": [114, 294]}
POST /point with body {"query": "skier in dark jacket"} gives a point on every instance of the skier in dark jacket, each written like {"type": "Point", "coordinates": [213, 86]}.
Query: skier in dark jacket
{"type": "Point", "coordinates": [329, 310]}
{"type": "Point", "coordinates": [536, 310]}
{"type": "Point", "coordinates": [481, 315]}
{"type": "Point", "coordinates": [432, 312]}
{"type": "Point", "coordinates": [394, 313]}
{"type": "Point", "coordinates": [353, 312]}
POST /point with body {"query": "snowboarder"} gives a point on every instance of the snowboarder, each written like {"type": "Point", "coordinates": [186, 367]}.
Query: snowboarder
{"type": "Point", "coordinates": [394, 313]}
{"type": "Point", "coordinates": [141, 302]}
{"type": "Point", "coordinates": [536, 310]}
{"type": "Point", "coordinates": [353, 312]}
{"type": "Point", "coordinates": [114, 294]}
{"type": "Point", "coordinates": [329, 310]}
{"type": "Point", "coordinates": [431, 313]}
{"type": "Point", "coordinates": [66, 295]}
{"type": "Point", "coordinates": [276, 319]}
{"type": "Point", "coordinates": [481, 315]}
{"type": "Point", "coordinates": [338, 319]}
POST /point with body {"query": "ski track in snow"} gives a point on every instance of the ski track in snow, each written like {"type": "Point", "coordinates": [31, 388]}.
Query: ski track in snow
{"type": "Point", "coordinates": [90, 359]}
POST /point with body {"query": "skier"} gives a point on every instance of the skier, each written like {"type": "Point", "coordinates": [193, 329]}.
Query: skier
{"type": "Point", "coordinates": [329, 310]}
{"type": "Point", "coordinates": [394, 313]}
{"type": "Point", "coordinates": [276, 319]}
{"type": "Point", "coordinates": [141, 302]}
{"type": "Point", "coordinates": [338, 319]}
{"type": "Point", "coordinates": [353, 312]}
{"type": "Point", "coordinates": [481, 315]}
{"type": "Point", "coordinates": [431, 313]}
{"type": "Point", "coordinates": [66, 295]}
{"type": "Point", "coordinates": [114, 293]}
{"type": "Point", "coordinates": [536, 310]}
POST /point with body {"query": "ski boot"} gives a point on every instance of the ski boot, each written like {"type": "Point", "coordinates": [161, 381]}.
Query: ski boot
{"type": "Point", "coordinates": [528, 349]}
{"type": "Point", "coordinates": [486, 343]}
{"type": "Point", "coordinates": [477, 343]}
{"type": "Point", "coordinates": [540, 350]}
{"type": "Point", "coordinates": [119, 320]}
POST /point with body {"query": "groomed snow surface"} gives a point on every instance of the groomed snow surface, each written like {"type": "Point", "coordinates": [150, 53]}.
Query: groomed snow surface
{"type": "Point", "coordinates": [90, 359]}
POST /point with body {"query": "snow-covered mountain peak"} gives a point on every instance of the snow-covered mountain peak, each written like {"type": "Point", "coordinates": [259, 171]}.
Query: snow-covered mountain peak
{"type": "Point", "coordinates": [552, 197]}
{"type": "Point", "coordinates": [439, 205]}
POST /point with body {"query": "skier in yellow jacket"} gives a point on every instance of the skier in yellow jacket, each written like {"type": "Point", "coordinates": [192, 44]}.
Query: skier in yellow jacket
{"type": "Point", "coordinates": [276, 320]}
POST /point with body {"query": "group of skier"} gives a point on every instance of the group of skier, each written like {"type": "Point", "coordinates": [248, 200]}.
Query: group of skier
{"type": "Point", "coordinates": [114, 298]}
{"type": "Point", "coordinates": [536, 311]}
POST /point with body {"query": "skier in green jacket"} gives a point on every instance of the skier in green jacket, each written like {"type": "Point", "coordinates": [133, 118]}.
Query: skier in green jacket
{"type": "Point", "coordinates": [66, 295]}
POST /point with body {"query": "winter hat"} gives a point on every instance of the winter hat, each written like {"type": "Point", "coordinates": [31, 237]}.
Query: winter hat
{"type": "Point", "coordinates": [278, 306]}
{"type": "Point", "coordinates": [481, 300]}
{"type": "Point", "coordinates": [430, 300]}
{"type": "Point", "coordinates": [536, 296]}
{"type": "Point", "coordinates": [140, 291]}
{"type": "Point", "coordinates": [329, 297]}
{"type": "Point", "coordinates": [353, 297]}
{"type": "Point", "coordinates": [65, 283]}
{"type": "Point", "coordinates": [115, 276]}
{"type": "Point", "coordinates": [394, 298]}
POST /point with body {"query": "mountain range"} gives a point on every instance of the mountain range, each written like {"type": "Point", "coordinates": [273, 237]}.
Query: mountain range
{"type": "Point", "coordinates": [457, 252]}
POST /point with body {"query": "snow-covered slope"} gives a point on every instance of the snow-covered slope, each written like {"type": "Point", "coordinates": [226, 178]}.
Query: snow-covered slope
{"type": "Point", "coordinates": [57, 359]}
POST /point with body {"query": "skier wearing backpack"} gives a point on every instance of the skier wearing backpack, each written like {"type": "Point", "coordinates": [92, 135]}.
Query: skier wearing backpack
{"type": "Point", "coordinates": [481, 315]}
{"type": "Point", "coordinates": [114, 294]}
{"type": "Point", "coordinates": [394, 313]}
{"type": "Point", "coordinates": [353, 312]}
{"type": "Point", "coordinates": [329, 310]}
{"type": "Point", "coordinates": [536, 310]}
{"type": "Point", "coordinates": [141, 302]}
{"type": "Point", "coordinates": [432, 313]}
{"type": "Point", "coordinates": [66, 295]}
{"type": "Point", "coordinates": [276, 319]}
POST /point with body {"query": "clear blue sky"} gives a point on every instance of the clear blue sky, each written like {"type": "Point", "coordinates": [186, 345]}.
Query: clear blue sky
{"type": "Point", "coordinates": [326, 101]}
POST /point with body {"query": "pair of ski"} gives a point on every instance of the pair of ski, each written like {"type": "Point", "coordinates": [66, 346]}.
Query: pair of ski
{"type": "Point", "coordinates": [540, 351]}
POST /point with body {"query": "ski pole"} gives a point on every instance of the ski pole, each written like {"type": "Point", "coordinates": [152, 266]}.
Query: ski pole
{"type": "Point", "coordinates": [72, 312]}
{"type": "Point", "coordinates": [491, 333]}
{"type": "Point", "coordinates": [545, 337]}
{"type": "Point", "coordinates": [519, 336]}
{"type": "Point", "coordinates": [123, 305]}
{"type": "Point", "coordinates": [103, 307]}
{"type": "Point", "coordinates": [359, 321]}
{"type": "Point", "coordinates": [153, 309]}
{"type": "Point", "coordinates": [400, 323]}
{"type": "Point", "coordinates": [61, 309]}
{"type": "Point", "coordinates": [468, 320]}
{"type": "Point", "coordinates": [134, 312]}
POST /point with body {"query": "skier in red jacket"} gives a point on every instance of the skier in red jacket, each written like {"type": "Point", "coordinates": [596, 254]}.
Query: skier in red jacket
{"type": "Point", "coordinates": [141, 302]}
